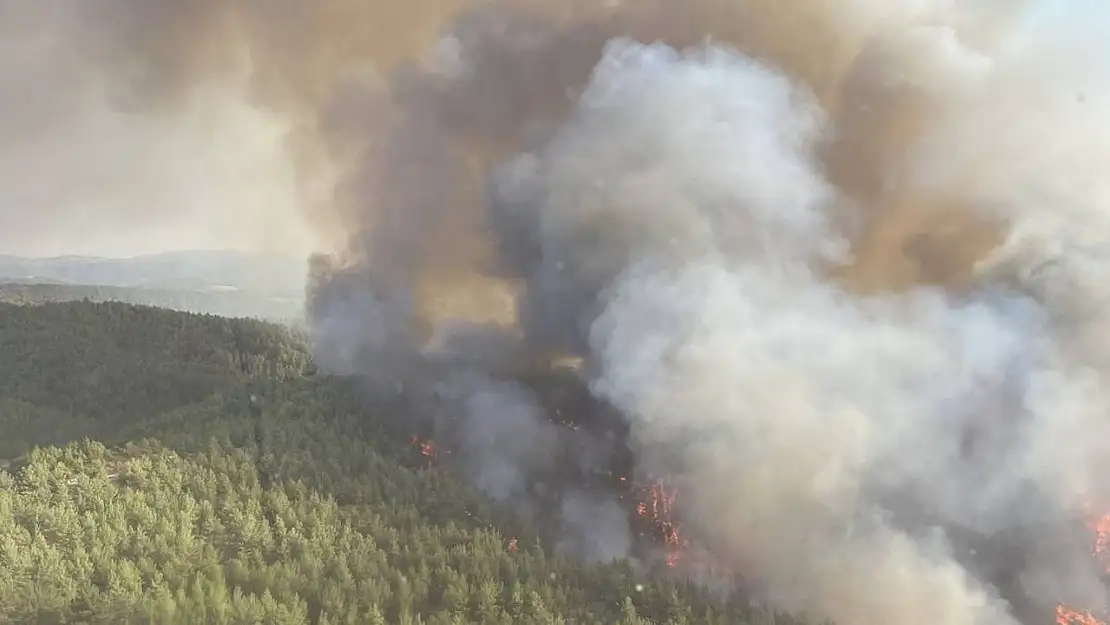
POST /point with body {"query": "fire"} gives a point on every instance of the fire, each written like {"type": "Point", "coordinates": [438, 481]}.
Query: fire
{"type": "Point", "coordinates": [1067, 616]}
{"type": "Point", "coordinates": [426, 448]}
{"type": "Point", "coordinates": [1100, 547]}
{"type": "Point", "coordinates": [1100, 527]}
{"type": "Point", "coordinates": [656, 507]}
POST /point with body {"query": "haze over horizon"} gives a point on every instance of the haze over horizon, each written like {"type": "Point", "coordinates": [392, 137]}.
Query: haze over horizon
{"type": "Point", "coordinates": [113, 255]}
{"type": "Point", "coordinates": [143, 245]}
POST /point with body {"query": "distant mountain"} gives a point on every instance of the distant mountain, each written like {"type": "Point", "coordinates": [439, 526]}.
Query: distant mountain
{"type": "Point", "coordinates": [222, 270]}
{"type": "Point", "coordinates": [225, 283]}
{"type": "Point", "coordinates": [274, 307]}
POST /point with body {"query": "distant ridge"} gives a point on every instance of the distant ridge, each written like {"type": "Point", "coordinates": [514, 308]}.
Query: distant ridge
{"type": "Point", "coordinates": [236, 303]}
{"type": "Point", "coordinates": [191, 270]}
{"type": "Point", "coordinates": [221, 282]}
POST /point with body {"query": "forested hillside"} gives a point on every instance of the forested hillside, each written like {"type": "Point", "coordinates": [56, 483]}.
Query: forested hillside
{"type": "Point", "coordinates": [164, 467]}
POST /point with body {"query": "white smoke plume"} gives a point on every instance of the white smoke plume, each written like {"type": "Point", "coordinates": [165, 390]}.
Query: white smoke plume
{"type": "Point", "coordinates": [829, 438]}
{"type": "Point", "coordinates": [840, 266]}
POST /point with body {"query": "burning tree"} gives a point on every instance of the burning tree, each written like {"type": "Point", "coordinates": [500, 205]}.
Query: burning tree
{"type": "Point", "coordinates": [1099, 525]}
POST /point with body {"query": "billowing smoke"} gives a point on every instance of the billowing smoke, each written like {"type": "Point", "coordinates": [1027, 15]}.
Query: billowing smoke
{"type": "Point", "coordinates": [843, 284]}
{"type": "Point", "coordinates": [838, 267]}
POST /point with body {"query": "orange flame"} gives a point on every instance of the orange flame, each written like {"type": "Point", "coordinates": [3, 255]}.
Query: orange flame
{"type": "Point", "coordinates": [1100, 547]}
{"type": "Point", "coordinates": [1067, 616]}
{"type": "Point", "coordinates": [427, 448]}
{"type": "Point", "coordinates": [1100, 527]}
{"type": "Point", "coordinates": [656, 507]}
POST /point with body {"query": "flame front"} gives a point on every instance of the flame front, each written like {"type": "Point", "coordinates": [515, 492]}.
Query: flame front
{"type": "Point", "coordinates": [1068, 616]}
{"type": "Point", "coordinates": [1100, 527]}
{"type": "Point", "coordinates": [1100, 547]}
{"type": "Point", "coordinates": [656, 507]}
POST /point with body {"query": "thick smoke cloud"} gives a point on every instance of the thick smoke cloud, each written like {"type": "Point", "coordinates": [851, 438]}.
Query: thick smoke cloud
{"type": "Point", "coordinates": [839, 266]}
{"type": "Point", "coordinates": [835, 298]}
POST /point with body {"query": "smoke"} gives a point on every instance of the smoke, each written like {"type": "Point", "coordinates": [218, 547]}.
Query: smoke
{"type": "Point", "coordinates": [839, 267]}
{"type": "Point", "coordinates": [129, 126]}
{"type": "Point", "coordinates": [838, 406]}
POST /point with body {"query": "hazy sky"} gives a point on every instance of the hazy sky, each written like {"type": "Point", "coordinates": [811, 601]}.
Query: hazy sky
{"type": "Point", "coordinates": [106, 183]}
{"type": "Point", "coordinates": [78, 175]}
{"type": "Point", "coordinates": [84, 170]}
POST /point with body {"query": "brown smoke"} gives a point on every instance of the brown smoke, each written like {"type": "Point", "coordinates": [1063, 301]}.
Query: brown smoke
{"type": "Point", "coordinates": [344, 77]}
{"type": "Point", "coordinates": [526, 61]}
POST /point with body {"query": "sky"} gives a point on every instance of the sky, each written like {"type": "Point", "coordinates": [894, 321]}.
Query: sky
{"type": "Point", "coordinates": [85, 168]}
{"type": "Point", "coordinates": [106, 183]}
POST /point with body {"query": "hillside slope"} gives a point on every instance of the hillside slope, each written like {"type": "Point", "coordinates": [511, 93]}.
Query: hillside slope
{"type": "Point", "coordinates": [195, 471]}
